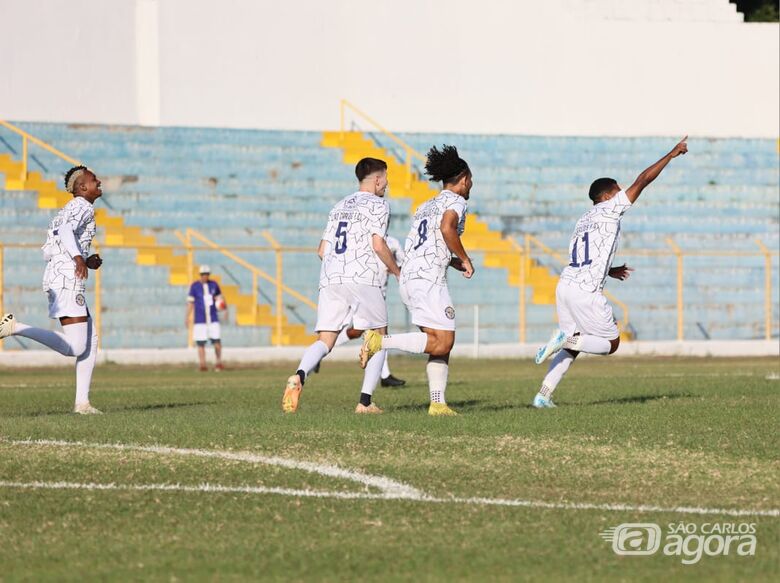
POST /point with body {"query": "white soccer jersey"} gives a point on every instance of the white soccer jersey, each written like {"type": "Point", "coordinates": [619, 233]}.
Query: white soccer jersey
{"type": "Point", "coordinates": [349, 254]}
{"type": "Point", "coordinates": [594, 243]}
{"type": "Point", "coordinates": [427, 255]}
{"type": "Point", "coordinates": [60, 269]}
{"type": "Point", "coordinates": [398, 254]}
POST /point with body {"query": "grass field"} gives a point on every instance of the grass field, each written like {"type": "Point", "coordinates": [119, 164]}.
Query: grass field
{"type": "Point", "coordinates": [420, 503]}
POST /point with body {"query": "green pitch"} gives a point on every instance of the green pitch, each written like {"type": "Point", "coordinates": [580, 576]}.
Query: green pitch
{"type": "Point", "coordinates": [666, 433]}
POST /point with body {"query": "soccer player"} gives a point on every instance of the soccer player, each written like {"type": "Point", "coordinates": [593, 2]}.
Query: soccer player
{"type": "Point", "coordinates": [203, 301]}
{"type": "Point", "coordinates": [432, 241]}
{"type": "Point", "coordinates": [66, 252]}
{"type": "Point", "coordinates": [349, 333]}
{"type": "Point", "coordinates": [354, 257]}
{"type": "Point", "coordinates": [585, 319]}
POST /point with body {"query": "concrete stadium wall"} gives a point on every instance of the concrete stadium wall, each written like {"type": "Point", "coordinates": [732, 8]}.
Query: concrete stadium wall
{"type": "Point", "coordinates": [349, 353]}
{"type": "Point", "coordinates": [560, 67]}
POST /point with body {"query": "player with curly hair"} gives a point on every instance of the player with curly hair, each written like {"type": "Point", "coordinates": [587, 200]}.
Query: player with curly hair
{"type": "Point", "coordinates": [433, 245]}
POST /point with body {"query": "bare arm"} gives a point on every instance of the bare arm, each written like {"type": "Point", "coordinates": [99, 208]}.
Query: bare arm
{"type": "Point", "coordinates": [321, 249]}
{"type": "Point", "coordinates": [383, 252]}
{"type": "Point", "coordinates": [653, 171]}
{"type": "Point", "coordinates": [188, 317]}
{"type": "Point", "coordinates": [449, 230]}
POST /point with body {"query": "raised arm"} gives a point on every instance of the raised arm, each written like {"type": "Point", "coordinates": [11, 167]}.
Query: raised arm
{"type": "Point", "coordinates": [653, 171]}
{"type": "Point", "coordinates": [449, 230]}
{"type": "Point", "coordinates": [385, 255]}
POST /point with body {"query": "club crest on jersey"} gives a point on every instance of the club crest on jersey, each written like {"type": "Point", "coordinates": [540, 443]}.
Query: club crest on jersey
{"type": "Point", "coordinates": [80, 299]}
{"type": "Point", "coordinates": [449, 311]}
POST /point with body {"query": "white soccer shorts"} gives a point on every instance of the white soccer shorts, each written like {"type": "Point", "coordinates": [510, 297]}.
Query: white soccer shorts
{"type": "Point", "coordinates": [429, 304]}
{"type": "Point", "coordinates": [204, 332]}
{"type": "Point", "coordinates": [66, 303]}
{"type": "Point", "coordinates": [584, 312]}
{"type": "Point", "coordinates": [341, 304]}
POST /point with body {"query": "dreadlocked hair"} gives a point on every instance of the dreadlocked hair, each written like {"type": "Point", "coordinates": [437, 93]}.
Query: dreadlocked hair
{"type": "Point", "coordinates": [445, 165]}
{"type": "Point", "coordinates": [69, 185]}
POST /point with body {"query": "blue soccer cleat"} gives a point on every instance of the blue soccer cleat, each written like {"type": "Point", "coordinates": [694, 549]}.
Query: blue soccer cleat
{"type": "Point", "coordinates": [553, 345]}
{"type": "Point", "coordinates": [542, 402]}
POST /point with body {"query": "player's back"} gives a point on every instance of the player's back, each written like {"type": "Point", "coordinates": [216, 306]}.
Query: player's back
{"type": "Point", "coordinates": [593, 244]}
{"type": "Point", "coordinates": [426, 253]}
{"type": "Point", "coordinates": [348, 256]}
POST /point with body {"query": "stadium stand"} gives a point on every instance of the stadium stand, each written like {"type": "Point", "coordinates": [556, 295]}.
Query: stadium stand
{"type": "Point", "coordinates": [234, 186]}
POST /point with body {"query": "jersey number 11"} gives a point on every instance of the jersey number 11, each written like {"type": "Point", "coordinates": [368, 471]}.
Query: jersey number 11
{"type": "Point", "coordinates": [587, 260]}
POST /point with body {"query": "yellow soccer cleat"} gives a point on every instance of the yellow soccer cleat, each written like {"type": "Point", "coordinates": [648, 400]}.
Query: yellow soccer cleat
{"type": "Point", "coordinates": [371, 409]}
{"type": "Point", "coordinates": [372, 343]}
{"type": "Point", "coordinates": [292, 394]}
{"type": "Point", "coordinates": [441, 409]}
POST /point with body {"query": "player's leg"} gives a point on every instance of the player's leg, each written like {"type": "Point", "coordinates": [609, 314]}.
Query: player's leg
{"type": "Point", "coordinates": [215, 335]}
{"type": "Point", "coordinates": [72, 341]}
{"type": "Point", "coordinates": [567, 326]}
{"type": "Point", "coordinates": [200, 336]}
{"type": "Point", "coordinates": [596, 322]}
{"type": "Point", "coordinates": [333, 311]}
{"type": "Point", "coordinates": [599, 333]}
{"type": "Point", "coordinates": [437, 371]}
{"type": "Point", "coordinates": [218, 355]}
{"type": "Point", "coordinates": [370, 313]}
{"type": "Point", "coordinates": [431, 308]}
{"type": "Point", "coordinates": [85, 364]}
{"type": "Point", "coordinates": [388, 380]}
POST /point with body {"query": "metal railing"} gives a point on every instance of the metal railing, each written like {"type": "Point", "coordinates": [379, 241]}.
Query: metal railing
{"type": "Point", "coordinates": [531, 249]}
{"type": "Point", "coordinates": [277, 281]}
{"type": "Point", "coordinates": [409, 152]}
{"type": "Point", "coordinates": [26, 140]}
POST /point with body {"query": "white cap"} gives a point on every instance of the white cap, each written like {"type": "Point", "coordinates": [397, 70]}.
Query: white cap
{"type": "Point", "coordinates": [204, 269]}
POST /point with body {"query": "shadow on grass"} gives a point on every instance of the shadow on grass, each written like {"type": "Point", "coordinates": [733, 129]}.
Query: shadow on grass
{"type": "Point", "coordinates": [156, 406]}
{"type": "Point", "coordinates": [110, 409]}
{"type": "Point", "coordinates": [424, 406]}
{"type": "Point", "coordinates": [637, 399]}
{"type": "Point", "coordinates": [614, 401]}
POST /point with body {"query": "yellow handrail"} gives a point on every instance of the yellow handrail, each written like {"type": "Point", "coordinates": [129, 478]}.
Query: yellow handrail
{"type": "Point", "coordinates": [242, 262]}
{"type": "Point", "coordinates": [561, 259]}
{"type": "Point", "coordinates": [409, 151]}
{"type": "Point", "coordinates": [279, 272]}
{"type": "Point", "coordinates": [767, 288]}
{"type": "Point", "coordinates": [26, 137]}
{"type": "Point", "coordinates": [521, 319]}
{"type": "Point", "coordinates": [680, 305]}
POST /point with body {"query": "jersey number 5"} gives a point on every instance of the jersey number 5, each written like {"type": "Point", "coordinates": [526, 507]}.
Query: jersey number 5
{"type": "Point", "coordinates": [341, 237]}
{"type": "Point", "coordinates": [422, 231]}
{"type": "Point", "coordinates": [587, 260]}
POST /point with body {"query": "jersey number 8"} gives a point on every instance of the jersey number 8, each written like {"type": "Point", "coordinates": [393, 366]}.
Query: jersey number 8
{"type": "Point", "coordinates": [422, 231]}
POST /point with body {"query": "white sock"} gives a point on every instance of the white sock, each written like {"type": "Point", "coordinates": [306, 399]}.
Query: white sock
{"type": "Point", "coordinates": [413, 342]}
{"type": "Point", "coordinates": [373, 370]}
{"type": "Point", "coordinates": [342, 338]}
{"type": "Point", "coordinates": [588, 343]}
{"type": "Point", "coordinates": [312, 357]}
{"type": "Point", "coordinates": [85, 364]}
{"type": "Point", "coordinates": [437, 379]}
{"type": "Point", "coordinates": [558, 367]}
{"type": "Point", "coordinates": [72, 341]}
{"type": "Point", "coordinates": [385, 368]}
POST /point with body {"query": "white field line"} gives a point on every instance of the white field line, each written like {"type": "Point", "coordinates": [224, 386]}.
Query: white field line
{"type": "Point", "coordinates": [390, 490]}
